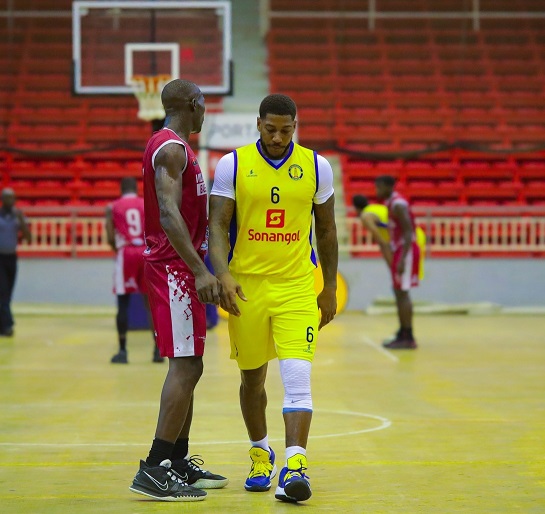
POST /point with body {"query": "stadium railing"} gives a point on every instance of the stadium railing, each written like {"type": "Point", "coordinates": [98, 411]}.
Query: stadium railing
{"type": "Point", "coordinates": [451, 231]}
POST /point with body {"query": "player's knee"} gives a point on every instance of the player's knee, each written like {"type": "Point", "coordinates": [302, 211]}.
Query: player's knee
{"type": "Point", "coordinates": [253, 379]}
{"type": "Point", "coordinates": [296, 379]}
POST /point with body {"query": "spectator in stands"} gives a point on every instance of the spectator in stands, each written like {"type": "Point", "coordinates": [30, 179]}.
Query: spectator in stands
{"type": "Point", "coordinates": [12, 225]}
{"type": "Point", "coordinates": [403, 258]}
{"type": "Point", "coordinates": [125, 232]}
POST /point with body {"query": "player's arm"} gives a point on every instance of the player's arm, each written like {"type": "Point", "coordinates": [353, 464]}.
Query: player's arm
{"type": "Point", "coordinates": [110, 233]}
{"type": "Point", "coordinates": [369, 221]}
{"type": "Point", "coordinates": [169, 165]}
{"type": "Point", "coordinates": [401, 212]}
{"type": "Point", "coordinates": [328, 252]}
{"type": "Point", "coordinates": [25, 229]}
{"type": "Point", "coordinates": [221, 213]}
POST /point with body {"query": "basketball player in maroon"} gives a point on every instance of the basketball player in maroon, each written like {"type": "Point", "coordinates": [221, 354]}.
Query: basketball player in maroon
{"type": "Point", "coordinates": [405, 259]}
{"type": "Point", "coordinates": [125, 232]}
{"type": "Point", "coordinates": [179, 284]}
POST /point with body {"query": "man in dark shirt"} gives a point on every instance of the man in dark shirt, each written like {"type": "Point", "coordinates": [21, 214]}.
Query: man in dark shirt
{"type": "Point", "coordinates": [12, 225]}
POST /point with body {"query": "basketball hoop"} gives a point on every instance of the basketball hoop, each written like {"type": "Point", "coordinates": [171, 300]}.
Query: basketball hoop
{"type": "Point", "coordinates": [147, 89]}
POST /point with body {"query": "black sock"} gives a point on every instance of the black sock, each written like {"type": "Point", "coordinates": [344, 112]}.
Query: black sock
{"type": "Point", "coordinates": [407, 333]}
{"type": "Point", "coordinates": [160, 451]}
{"type": "Point", "coordinates": [181, 449]}
{"type": "Point", "coordinates": [123, 343]}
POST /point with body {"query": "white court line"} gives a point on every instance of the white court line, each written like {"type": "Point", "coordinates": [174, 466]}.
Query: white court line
{"type": "Point", "coordinates": [376, 346]}
{"type": "Point", "coordinates": [384, 423]}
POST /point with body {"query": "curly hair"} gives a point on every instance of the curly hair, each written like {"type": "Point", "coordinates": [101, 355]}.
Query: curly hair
{"type": "Point", "coordinates": [277, 104]}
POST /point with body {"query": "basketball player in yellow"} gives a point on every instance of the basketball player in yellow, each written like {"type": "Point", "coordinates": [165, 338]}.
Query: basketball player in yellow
{"type": "Point", "coordinates": [261, 208]}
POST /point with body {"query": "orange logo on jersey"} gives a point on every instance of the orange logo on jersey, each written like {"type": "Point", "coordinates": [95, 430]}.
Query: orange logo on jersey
{"type": "Point", "coordinates": [275, 218]}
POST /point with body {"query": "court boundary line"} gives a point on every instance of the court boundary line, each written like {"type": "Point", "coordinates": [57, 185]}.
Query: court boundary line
{"type": "Point", "coordinates": [369, 342]}
{"type": "Point", "coordinates": [384, 423]}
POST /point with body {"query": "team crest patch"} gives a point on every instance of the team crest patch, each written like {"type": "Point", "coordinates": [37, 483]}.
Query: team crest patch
{"type": "Point", "coordinates": [295, 172]}
{"type": "Point", "coordinates": [194, 161]}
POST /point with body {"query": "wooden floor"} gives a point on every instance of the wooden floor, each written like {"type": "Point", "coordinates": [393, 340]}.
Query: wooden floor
{"type": "Point", "coordinates": [456, 426]}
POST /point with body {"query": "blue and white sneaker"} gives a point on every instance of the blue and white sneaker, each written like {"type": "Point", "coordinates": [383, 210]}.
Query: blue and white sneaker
{"type": "Point", "coordinates": [293, 484]}
{"type": "Point", "coordinates": [263, 470]}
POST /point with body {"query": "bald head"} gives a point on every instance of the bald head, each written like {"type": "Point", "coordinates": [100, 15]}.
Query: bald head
{"type": "Point", "coordinates": [178, 95]}
{"type": "Point", "coordinates": [184, 107]}
{"type": "Point", "coordinates": [8, 198]}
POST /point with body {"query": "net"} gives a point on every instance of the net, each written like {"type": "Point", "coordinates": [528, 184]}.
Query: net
{"type": "Point", "coordinates": [147, 89]}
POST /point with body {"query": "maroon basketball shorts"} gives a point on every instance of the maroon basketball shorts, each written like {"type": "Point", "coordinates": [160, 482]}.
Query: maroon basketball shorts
{"type": "Point", "coordinates": [129, 271]}
{"type": "Point", "coordinates": [179, 318]}
{"type": "Point", "coordinates": [409, 278]}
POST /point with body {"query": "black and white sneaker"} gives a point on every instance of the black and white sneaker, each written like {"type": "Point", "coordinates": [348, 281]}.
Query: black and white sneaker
{"type": "Point", "coordinates": [190, 470]}
{"type": "Point", "coordinates": [163, 483]}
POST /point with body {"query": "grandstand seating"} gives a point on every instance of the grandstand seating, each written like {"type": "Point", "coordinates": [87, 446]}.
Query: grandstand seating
{"type": "Point", "coordinates": [406, 86]}
{"type": "Point", "coordinates": [416, 84]}
{"type": "Point", "coordinates": [70, 149]}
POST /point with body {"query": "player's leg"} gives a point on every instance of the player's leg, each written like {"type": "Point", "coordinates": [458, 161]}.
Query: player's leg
{"type": "Point", "coordinates": [143, 290]}
{"type": "Point", "coordinates": [295, 328]}
{"type": "Point", "coordinates": [180, 322]}
{"type": "Point", "coordinates": [253, 404]}
{"type": "Point", "coordinates": [189, 467]}
{"type": "Point", "coordinates": [8, 272]}
{"type": "Point", "coordinates": [252, 347]}
{"type": "Point", "coordinates": [402, 286]}
{"type": "Point", "coordinates": [156, 353]}
{"type": "Point", "coordinates": [122, 324]}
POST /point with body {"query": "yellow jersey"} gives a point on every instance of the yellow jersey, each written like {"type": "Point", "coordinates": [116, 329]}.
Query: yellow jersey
{"type": "Point", "coordinates": [273, 214]}
{"type": "Point", "coordinates": [381, 212]}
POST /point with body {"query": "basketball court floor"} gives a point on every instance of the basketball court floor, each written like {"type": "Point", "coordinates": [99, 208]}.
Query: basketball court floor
{"type": "Point", "coordinates": [456, 426]}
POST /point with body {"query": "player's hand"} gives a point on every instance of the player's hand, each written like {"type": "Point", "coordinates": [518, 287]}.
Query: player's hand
{"type": "Point", "coordinates": [327, 303]}
{"type": "Point", "coordinates": [230, 289]}
{"type": "Point", "coordinates": [400, 268]}
{"type": "Point", "coordinates": [208, 288]}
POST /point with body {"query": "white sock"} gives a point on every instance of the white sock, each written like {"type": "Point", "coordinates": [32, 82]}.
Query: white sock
{"type": "Point", "coordinates": [294, 450]}
{"type": "Point", "coordinates": [263, 443]}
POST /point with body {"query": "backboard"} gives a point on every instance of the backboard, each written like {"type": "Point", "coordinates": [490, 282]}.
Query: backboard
{"type": "Point", "coordinates": [116, 40]}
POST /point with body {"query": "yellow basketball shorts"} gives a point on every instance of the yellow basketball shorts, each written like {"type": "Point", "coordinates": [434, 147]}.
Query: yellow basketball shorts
{"type": "Point", "coordinates": [280, 319]}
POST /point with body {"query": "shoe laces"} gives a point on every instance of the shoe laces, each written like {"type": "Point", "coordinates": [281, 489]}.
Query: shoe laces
{"type": "Point", "coordinates": [260, 469]}
{"type": "Point", "coordinates": [194, 462]}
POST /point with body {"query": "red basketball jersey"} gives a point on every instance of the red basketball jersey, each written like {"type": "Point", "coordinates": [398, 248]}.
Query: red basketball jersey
{"type": "Point", "coordinates": [128, 220]}
{"type": "Point", "coordinates": [194, 201]}
{"type": "Point", "coordinates": [394, 227]}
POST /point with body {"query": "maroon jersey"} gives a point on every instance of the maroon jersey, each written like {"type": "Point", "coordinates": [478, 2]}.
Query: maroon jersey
{"type": "Point", "coordinates": [128, 220]}
{"type": "Point", "coordinates": [394, 227]}
{"type": "Point", "coordinates": [194, 201]}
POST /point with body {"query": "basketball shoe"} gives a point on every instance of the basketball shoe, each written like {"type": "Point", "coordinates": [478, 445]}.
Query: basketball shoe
{"type": "Point", "coordinates": [263, 470]}
{"type": "Point", "coordinates": [401, 342]}
{"type": "Point", "coordinates": [163, 483]}
{"type": "Point", "coordinates": [293, 483]}
{"type": "Point", "coordinates": [195, 476]}
{"type": "Point", "coordinates": [120, 358]}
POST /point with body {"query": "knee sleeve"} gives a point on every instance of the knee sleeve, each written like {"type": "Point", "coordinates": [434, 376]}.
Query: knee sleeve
{"type": "Point", "coordinates": [295, 375]}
